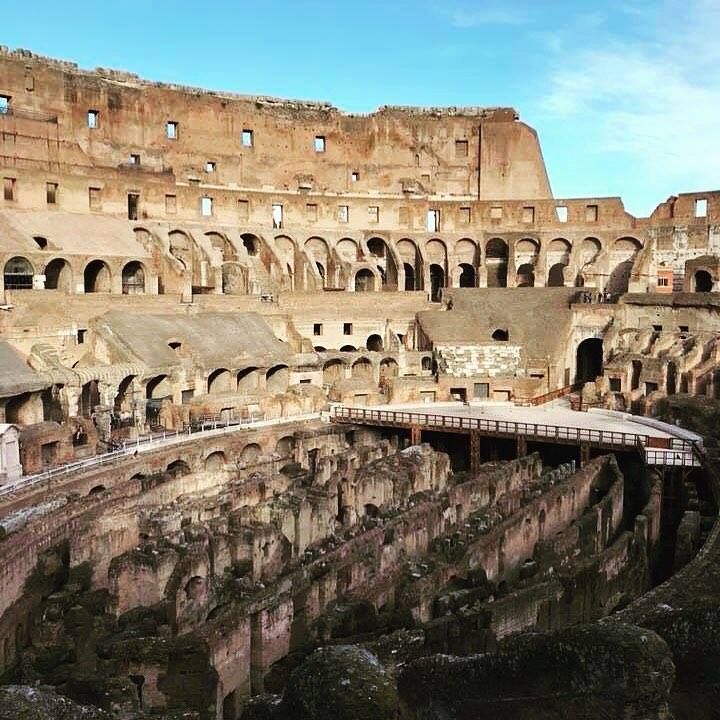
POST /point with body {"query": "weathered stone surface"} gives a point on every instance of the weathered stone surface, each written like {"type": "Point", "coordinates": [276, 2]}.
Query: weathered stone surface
{"type": "Point", "coordinates": [20, 702]}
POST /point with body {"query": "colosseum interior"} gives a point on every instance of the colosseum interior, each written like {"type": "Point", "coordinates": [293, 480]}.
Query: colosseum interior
{"type": "Point", "coordinates": [316, 415]}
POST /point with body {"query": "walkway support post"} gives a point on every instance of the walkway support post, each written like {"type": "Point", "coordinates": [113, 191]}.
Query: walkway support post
{"type": "Point", "coordinates": [584, 454]}
{"type": "Point", "coordinates": [415, 435]}
{"type": "Point", "coordinates": [521, 446]}
{"type": "Point", "coordinates": [475, 457]}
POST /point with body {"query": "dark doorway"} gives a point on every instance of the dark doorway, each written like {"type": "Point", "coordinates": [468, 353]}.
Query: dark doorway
{"type": "Point", "coordinates": [437, 282]}
{"type": "Point", "coordinates": [703, 281]}
{"type": "Point", "coordinates": [589, 358]}
{"type": "Point", "coordinates": [133, 203]}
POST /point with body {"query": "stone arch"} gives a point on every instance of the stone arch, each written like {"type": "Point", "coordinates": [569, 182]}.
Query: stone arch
{"type": "Point", "coordinates": [133, 278]}
{"type": "Point", "coordinates": [496, 261]}
{"type": "Point", "coordinates": [467, 251]}
{"type": "Point", "coordinates": [364, 280]}
{"type": "Point", "coordinates": [333, 370]}
{"type": "Point", "coordinates": [285, 446]}
{"type": "Point", "coordinates": [382, 256]}
{"type": "Point", "coordinates": [347, 249]}
{"type": "Point", "coordinates": [556, 275]}
{"type": "Point", "coordinates": [124, 399]}
{"type": "Point", "coordinates": [622, 258]}
{"type": "Point", "coordinates": [410, 256]}
{"type": "Point", "coordinates": [348, 348]}
{"type": "Point", "coordinates": [374, 343]}
{"type": "Point", "coordinates": [219, 381]}
{"type": "Point", "coordinates": [702, 281]}
{"type": "Point", "coordinates": [389, 368]}
{"type": "Point", "coordinates": [177, 468]}
{"type": "Point", "coordinates": [362, 368]}
{"type": "Point", "coordinates": [89, 398]}
{"type": "Point", "coordinates": [248, 380]}
{"type": "Point", "coordinates": [467, 277]}
{"type": "Point", "coordinates": [437, 281]}
{"type": "Point", "coordinates": [277, 379]}
{"type": "Point", "coordinates": [251, 243]}
{"type": "Point", "coordinates": [158, 387]}
{"type": "Point", "coordinates": [526, 275]}
{"type": "Point", "coordinates": [97, 277]}
{"type": "Point", "coordinates": [250, 454]}
{"type": "Point", "coordinates": [215, 461]}
{"type": "Point", "coordinates": [96, 490]}
{"type": "Point", "coordinates": [18, 274]}
{"type": "Point", "coordinates": [58, 275]}
{"type": "Point", "coordinates": [500, 335]}
{"type": "Point", "coordinates": [588, 360]}
{"type": "Point", "coordinates": [221, 243]}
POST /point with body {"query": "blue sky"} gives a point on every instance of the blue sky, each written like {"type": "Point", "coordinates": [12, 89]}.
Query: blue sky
{"type": "Point", "coordinates": [625, 95]}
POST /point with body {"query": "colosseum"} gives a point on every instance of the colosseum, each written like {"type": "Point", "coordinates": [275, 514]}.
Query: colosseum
{"type": "Point", "coordinates": [314, 415]}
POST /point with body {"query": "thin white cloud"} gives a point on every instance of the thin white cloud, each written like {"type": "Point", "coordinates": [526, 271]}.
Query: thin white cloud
{"type": "Point", "coordinates": [463, 17]}
{"type": "Point", "coordinates": [656, 100]}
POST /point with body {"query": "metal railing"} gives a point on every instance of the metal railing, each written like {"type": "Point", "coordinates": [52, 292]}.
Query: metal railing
{"type": "Point", "coordinates": [150, 442]}
{"type": "Point", "coordinates": [658, 446]}
{"type": "Point", "coordinates": [548, 396]}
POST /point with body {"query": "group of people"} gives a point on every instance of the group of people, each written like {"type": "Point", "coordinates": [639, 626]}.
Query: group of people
{"type": "Point", "coordinates": [596, 297]}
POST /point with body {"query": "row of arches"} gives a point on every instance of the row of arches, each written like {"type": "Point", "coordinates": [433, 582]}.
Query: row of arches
{"type": "Point", "coordinates": [19, 274]}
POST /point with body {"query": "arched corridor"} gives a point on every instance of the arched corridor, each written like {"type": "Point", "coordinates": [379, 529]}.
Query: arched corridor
{"type": "Point", "coordinates": [588, 360]}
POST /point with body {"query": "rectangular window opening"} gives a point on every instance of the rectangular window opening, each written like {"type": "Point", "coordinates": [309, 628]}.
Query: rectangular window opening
{"type": "Point", "coordinates": [343, 215]}
{"type": "Point", "coordinates": [133, 203]}
{"type": "Point", "coordinates": [206, 206]}
{"type": "Point", "coordinates": [9, 188]}
{"type": "Point", "coordinates": [347, 328]}
{"type": "Point", "coordinates": [404, 216]}
{"type": "Point", "coordinates": [95, 198]}
{"type": "Point", "coordinates": [311, 210]}
{"type": "Point", "coordinates": [354, 176]}
{"type": "Point", "coordinates": [320, 143]}
{"type": "Point", "coordinates": [171, 204]}
{"type": "Point", "coordinates": [210, 166]}
{"type": "Point", "coordinates": [134, 159]}
{"type": "Point", "coordinates": [615, 385]}
{"type": "Point", "coordinates": [561, 212]}
{"type": "Point", "coordinates": [171, 129]}
{"type": "Point", "coordinates": [433, 220]}
{"type": "Point", "coordinates": [247, 138]}
{"type": "Point", "coordinates": [496, 212]}
{"type": "Point", "coordinates": [528, 215]}
{"type": "Point", "coordinates": [465, 215]}
{"type": "Point", "coordinates": [461, 148]}
{"type": "Point", "coordinates": [374, 214]}
{"type": "Point", "coordinates": [243, 209]}
{"type": "Point", "coordinates": [317, 329]}
{"type": "Point", "coordinates": [591, 213]}
{"type": "Point", "coordinates": [93, 119]}
{"type": "Point", "coordinates": [277, 216]}
{"type": "Point", "coordinates": [4, 104]}
{"type": "Point", "coordinates": [701, 207]}
{"type": "Point", "coordinates": [51, 193]}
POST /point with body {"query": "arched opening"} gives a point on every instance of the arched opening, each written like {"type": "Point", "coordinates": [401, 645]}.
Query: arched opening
{"type": "Point", "coordinates": [362, 368]}
{"type": "Point", "coordinates": [409, 276]}
{"type": "Point", "coordinates": [556, 275]}
{"type": "Point", "coordinates": [158, 388]}
{"type": "Point", "coordinates": [333, 371]}
{"type": "Point", "coordinates": [635, 374]}
{"type": "Point", "coordinates": [426, 363]}
{"type": "Point", "coordinates": [671, 382]}
{"type": "Point", "coordinates": [321, 272]}
{"type": "Point", "coordinates": [285, 446]}
{"type": "Point", "coordinates": [219, 381]}
{"type": "Point", "coordinates": [96, 277]}
{"type": "Point", "coordinates": [89, 398]}
{"type": "Point", "coordinates": [588, 360]}
{"type": "Point", "coordinates": [348, 249]}
{"type": "Point", "coordinates": [248, 380]}
{"type": "Point", "coordinates": [622, 258]}
{"type": "Point", "coordinates": [177, 469]}
{"type": "Point", "coordinates": [496, 260]}
{"type": "Point", "coordinates": [437, 282]}
{"type": "Point", "coordinates": [58, 275]}
{"type": "Point", "coordinates": [195, 589]}
{"type": "Point", "coordinates": [133, 278]}
{"type": "Point", "coordinates": [18, 274]}
{"type": "Point", "coordinates": [251, 243]}
{"type": "Point", "coordinates": [703, 281]}
{"type": "Point", "coordinates": [123, 404]}
{"type": "Point", "coordinates": [348, 348]}
{"type": "Point", "coordinates": [250, 454]}
{"type": "Point", "coordinates": [467, 275]}
{"type": "Point", "coordinates": [96, 490]}
{"type": "Point", "coordinates": [389, 368]}
{"type": "Point", "coordinates": [376, 247]}
{"type": "Point", "coordinates": [383, 258]}
{"type": "Point", "coordinates": [501, 335]}
{"type": "Point", "coordinates": [374, 343]}
{"type": "Point", "coordinates": [319, 348]}
{"type": "Point", "coordinates": [215, 461]}
{"type": "Point", "coordinates": [364, 281]}
{"type": "Point", "coordinates": [277, 379]}
{"type": "Point", "coordinates": [526, 275]}
{"type": "Point", "coordinates": [371, 510]}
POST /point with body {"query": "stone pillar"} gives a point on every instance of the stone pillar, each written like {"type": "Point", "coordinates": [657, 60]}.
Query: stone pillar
{"type": "Point", "coordinates": [521, 446]}
{"type": "Point", "coordinates": [415, 435]}
{"type": "Point", "coordinates": [584, 454]}
{"type": "Point", "coordinates": [475, 453]}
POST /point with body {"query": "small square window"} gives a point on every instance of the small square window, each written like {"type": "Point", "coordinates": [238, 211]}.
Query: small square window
{"type": "Point", "coordinates": [465, 215]}
{"type": "Point", "coordinates": [528, 214]}
{"type": "Point", "coordinates": [591, 213]}
{"type": "Point", "coordinates": [615, 385]}
{"type": "Point", "coordinates": [206, 206]}
{"type": "Point", "coordinates": [4, 104]}
{"type": "Point", "coordinates": [95, 198]}
{"type": "Point", "coordinates": [93, 119]}
{"type": "Point", "coordinates": [684, 329]}
{"type": "Point", "coordinates": [663, 282]}
{"type": "Point", "coordinates": [172, 128]}
{"type": "Point", "coordinates": [81, 334]}
{"type": "Point", "coordinates": [311, 210]}
{"type": "Point", "coordinates": [374, 214]}
{"type": "Point", "coordinates": [320, 143]}
{"type": "Point", "coordinates": [496, 212]}
{"type": "Point", "coordinates": [51, 193]}
{"type": "Point", "coordinates": [210, 166]}
{"type": "Point", "coordinates": [317, 329]}
{"type": "Point", "coordinates": [247, 138]}
{"type": "Point", "coordinates": [347, 328]}
{"type": "Point", "coordinates": [171, 204]}
{"type": "Point", "coordinates": [9, 188]}
{"type": "Point", "coordinates": [461, 148]}
{"type": "Point", "coordinates": [657, 328]}
{"type": "Point", "coordinates": [134, 159]}
{"type": "Point", "coordinates": [343, 213]}
{"type": "Point", "coordinates": [354, 176]}
{"type": "Point", "coordinates": [243, 209]}
{"type": "Point", "coordinates": [561, 212]}
{"type": "Point", "coordinates": [701, 207]}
